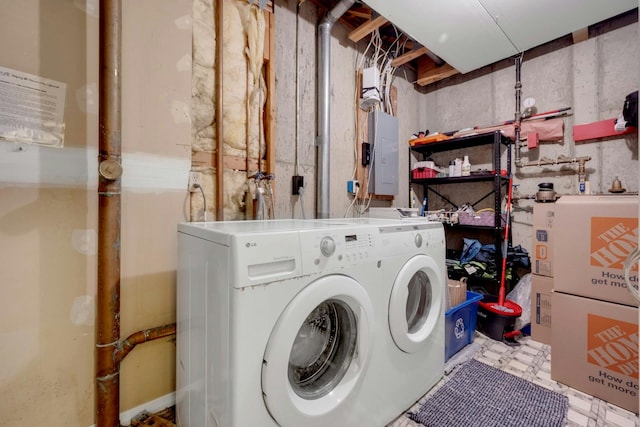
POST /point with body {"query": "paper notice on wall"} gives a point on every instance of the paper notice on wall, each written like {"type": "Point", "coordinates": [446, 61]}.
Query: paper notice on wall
{"type": "Point", "coordinates": [31, 108]}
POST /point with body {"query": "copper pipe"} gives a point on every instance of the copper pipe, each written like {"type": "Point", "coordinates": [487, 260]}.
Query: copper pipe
{"type": "Point", "coordinates": [109, 213]}
{"type": "Point", "coordinates": [142, 337]}
{"type": "Point", "coordinates": [518, 115]}
{"type": "Point", "coordinates": [558, 161]}
{"type": "Point", "coordinates": [219, 109]}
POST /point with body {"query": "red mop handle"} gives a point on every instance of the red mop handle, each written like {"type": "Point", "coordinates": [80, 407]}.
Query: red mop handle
{"type": "Point", "coordinates": [505, 245]}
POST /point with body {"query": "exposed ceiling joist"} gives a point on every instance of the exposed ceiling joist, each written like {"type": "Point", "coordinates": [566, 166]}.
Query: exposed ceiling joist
{"type": "Point", "coordinates": [367, 28]}
{"type": "Point", "coordinates": [580, 35]}
{"type": "Point", "coordinates": [360, 12]}
{"type": "Point", "coordinates": [429, 72]}
{"type": "Point", "coordinates": [409, 56]}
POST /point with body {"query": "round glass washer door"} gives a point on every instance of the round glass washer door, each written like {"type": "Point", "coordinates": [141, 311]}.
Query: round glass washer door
{"type": "Point", "coordinates": [416, 303]}
{"type": "Point", "coordinates": [318, 353]}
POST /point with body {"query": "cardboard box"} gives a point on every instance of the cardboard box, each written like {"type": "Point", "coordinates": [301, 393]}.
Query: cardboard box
{"type": "Point", "coordinates": [542, 253]}
{"type": "Point", "coordinates": [593, 235]}
{"type": "Point", "coordinates": [541, 287]}
{"type": "Point", "coordinates": [594, 348]}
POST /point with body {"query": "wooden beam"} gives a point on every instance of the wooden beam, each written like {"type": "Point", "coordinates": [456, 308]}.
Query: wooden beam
{"type": "Point", "coordinates": [429, 72]}
{"type": "Point", "coordinates": [208, 159]}
{"type": "Point", "coordinates": [580, 35]}
{"type": "Point", "coordinates": [219, 105]}
{"type": "Point", "coordinates": [367, 28]}
{"type": "Point", "coordinates": [409, 56]}
{"type": "Point", "coordinates": [270, 105]}
{"type": "Point", "coordinates": [360, 12]}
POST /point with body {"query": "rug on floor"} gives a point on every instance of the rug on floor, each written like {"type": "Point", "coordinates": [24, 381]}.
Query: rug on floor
{"type": "Point", "coordinates": [478, 395]}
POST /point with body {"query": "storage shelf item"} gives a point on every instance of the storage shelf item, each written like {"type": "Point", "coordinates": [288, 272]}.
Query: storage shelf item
{"type": "Point", "coordinates": [490, 229]}
{"type": "Point", "coordinates": [445, 217]}
{"type": "Point", "coordinates": [463, 142]}
{"type": "Point", "coordinates": [460, 179]}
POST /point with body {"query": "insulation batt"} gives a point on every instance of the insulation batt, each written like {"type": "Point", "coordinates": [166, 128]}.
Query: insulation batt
{"type": "Point", "coordinates": [235, 81]}
{"type": "Point", "coordinates": [235, 186]}
{"type": "Point", "coordinates": [202, 80]}
{"type": "Point", "coordinates": [244, 92]}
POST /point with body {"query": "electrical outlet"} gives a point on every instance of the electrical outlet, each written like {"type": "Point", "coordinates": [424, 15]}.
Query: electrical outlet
{"type": "Point", "coordinates": [194, 181]}
{"type": "Point", "coordinates": [297, 182]}
{"type": "Point", "coordinates": [352, 186]}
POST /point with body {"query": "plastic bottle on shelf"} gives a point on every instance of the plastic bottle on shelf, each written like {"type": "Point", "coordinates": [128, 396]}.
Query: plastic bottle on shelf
{"type": "Point", "coordinates": [452, 168]}
{"type": "Point", "coordinates": [457, 167]}
{"type": "Point", "coordinates": [466, 167]}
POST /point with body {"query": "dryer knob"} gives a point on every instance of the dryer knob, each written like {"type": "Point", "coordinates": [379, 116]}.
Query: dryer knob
{"type": "Point", "coordinates": [327, 246]}
{"type": "Point", "coordinates": [418, 240]}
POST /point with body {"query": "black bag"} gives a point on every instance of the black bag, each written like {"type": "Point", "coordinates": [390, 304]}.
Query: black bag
{"type": "Point", "coordinates": [630, 109]}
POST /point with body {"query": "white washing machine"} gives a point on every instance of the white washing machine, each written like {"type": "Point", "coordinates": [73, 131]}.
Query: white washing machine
{"type": "Point", "coordinates": [306, 323]}
{"type": "Point", "coordinates": [408, 354]}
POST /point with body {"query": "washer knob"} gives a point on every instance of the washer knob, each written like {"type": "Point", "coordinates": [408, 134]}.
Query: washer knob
{"type": "Point", "coordinates": [418, 240]}
{"type": "Point", "coordinates": [327, 246]}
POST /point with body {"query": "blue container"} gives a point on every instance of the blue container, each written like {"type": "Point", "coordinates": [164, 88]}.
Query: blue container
{"type": "Point", "coordinates": [460, 324]}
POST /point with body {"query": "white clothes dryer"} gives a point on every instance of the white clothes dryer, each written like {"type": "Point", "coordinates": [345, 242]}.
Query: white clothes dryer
{"type": "Point", "coordinates": [275, 326]}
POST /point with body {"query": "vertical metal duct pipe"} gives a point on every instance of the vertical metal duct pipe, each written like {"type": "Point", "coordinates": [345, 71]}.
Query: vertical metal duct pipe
{"type": "Point", "coordinates": [324, 99]}
{"type": "Point", "coordinates": [109, 213]}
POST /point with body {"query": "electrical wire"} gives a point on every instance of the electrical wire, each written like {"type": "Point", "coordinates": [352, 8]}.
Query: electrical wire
{"type": "Point", "coordinates": [356, 155]}
{"type": "Point", "coordinates": [301, 190]}
{"type": "Point", "coordinates": [204, 199]}
{"type": "Point", "coordinates": [297, 101]}
{"type": "Point", "coordinates": [259, 201]}
{"type": "Point", "coordinates": [353, 202]}
{"type": "Point", "coordinates": [271, 202]}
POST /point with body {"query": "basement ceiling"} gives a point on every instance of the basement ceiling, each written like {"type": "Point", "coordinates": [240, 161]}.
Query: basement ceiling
{"type": "Point", "coordinates": [469, 34]}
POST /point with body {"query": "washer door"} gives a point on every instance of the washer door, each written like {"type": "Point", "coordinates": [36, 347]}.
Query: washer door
{"type": "Point", "coordinates": [318, 353]}
{"type": "Point", "coordinates": [416, 303]}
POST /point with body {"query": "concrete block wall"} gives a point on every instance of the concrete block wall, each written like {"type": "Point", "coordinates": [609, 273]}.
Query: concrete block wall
{"type": "Point", "coordinates": [344, 57]}
{"type": "Point", "coordinates": [592, 77]}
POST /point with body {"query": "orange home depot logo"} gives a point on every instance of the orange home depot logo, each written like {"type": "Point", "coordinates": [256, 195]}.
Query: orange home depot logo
{"type": "Point", "coordinates": [612, 240]}
{"type": "Point", "coordinates": [612, 344]}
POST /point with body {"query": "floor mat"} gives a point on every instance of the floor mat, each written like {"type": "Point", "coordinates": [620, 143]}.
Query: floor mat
{"type": "Point", "coordinates": [478, 395]}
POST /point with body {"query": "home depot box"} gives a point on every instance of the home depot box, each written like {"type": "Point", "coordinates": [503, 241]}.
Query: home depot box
{"type": "Point", "coordinates": [542, 254]}
{"type": "Point", "coordinates": [593, 235]}
{"type": "Point", "coordinates": [594, 348]}
{"type": "Point", "coordinates": [541, 287]}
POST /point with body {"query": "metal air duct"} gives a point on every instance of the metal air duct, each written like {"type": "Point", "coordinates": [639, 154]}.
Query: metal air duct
{"type": "Point", "coordinates": [324, 98]}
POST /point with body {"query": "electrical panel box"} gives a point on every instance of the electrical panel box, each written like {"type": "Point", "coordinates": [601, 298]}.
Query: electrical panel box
{"type": "Point", "coordinates": [383, 168]}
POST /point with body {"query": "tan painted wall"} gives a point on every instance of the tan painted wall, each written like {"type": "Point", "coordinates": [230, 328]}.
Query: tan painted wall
{"type": "Point", "coordinates": [48, 208]}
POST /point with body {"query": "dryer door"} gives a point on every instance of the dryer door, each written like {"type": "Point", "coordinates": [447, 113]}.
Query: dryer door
{"type": "Point", "coordinates": [318, 353]}
{"type": "Point", "coordinates": [416, 303]}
